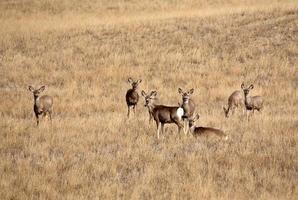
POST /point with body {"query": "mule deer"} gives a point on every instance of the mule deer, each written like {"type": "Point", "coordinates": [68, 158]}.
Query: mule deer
{"type": "Point", "coordinates": [42, 105]}
{"type": "Point", "coordinates": [132, 96]}
{"type": "Point", "coordinates": [163, 114]}
{"type": "Point", "coordinates": [235, 100]}
{"type": "Point", "coordinates": [251, 103]}
{"type": "Point", "coordinates": [200, 131]}
{"type": "Point", "coordinates": [188, 106]}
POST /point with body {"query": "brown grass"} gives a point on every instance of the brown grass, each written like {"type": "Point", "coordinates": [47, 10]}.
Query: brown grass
{"type": "Point", "coordinates": [84, 54]}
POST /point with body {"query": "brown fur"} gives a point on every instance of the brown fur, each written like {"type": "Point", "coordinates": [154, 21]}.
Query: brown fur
{"type": "Point", "coordinates": [251, 103]}
{"type": "Point", "coordinates": [42, 105]}
{"type": "Point", "coordinates": [204, 131]}
{"type": "Point", "coordinates": [188, 106]}
{"type": "Point", "coordinates": [162, 114]}
{"type": "Point", "coordinates": [132, 96]}
{"type": "Point", "coordinates": [235, 100]}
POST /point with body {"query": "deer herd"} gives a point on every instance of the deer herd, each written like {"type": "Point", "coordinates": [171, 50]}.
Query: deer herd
{"type": "Point", "coordinates": [183, 115]}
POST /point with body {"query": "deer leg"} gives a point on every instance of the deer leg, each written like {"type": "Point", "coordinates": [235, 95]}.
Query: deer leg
{"type": "Point", "coordinates": [233, 110]}
{"type": "Point", "coordinates": [150, 117]}
{"type": "Point", "coordinates": [50, 115]}
{"type": "Point", "coordinates": [227, 111]}
{"type": "Point", "coordinates": [179, 124]}
{"type": "Point", "coordinates": [185, 126]}
{"type": "Point", "coordinates": [134, 109]}
{"type": "Point", "coordinates": [248, 115]}
{"type": "Point", "coordinates": [253, 112]}
{"type": "Point", "coordinates": [158, 128]}
{"type": "Point", "coordinates": [44, 114]}
{"type": "Point", "coordinates": [128, 111]}
{"type": "Point", "coordinates": [37, 119]}
{"type": "Point", "coordinates": [162, 128]}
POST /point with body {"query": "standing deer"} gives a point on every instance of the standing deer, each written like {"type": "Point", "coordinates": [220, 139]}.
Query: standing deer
{"type": "Point", "coordinates": [163, 114]}
{"type": "Point", "coordinates": [235, 100]}
{"type": "Point", "coordinates": [42, 105]}
{"type": "Point", "coordinates": [200, 131]}
{"type": "Point", "coordinates": [188, 106]}
{"type": "Point", "coordinates": [132, 96]}
{"type": "Point", "coordinates": [251, 103]}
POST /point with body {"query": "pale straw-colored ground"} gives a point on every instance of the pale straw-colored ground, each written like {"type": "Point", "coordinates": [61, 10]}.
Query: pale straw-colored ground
{"type": "Point", "coordinates": [84, 53]}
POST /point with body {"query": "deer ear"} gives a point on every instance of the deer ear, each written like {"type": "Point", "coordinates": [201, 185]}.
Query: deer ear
{"type": "Point", "coordinates": [251, 86]}
{"type": "Point", "coordinates": [143, 93]}
{"type": "Point", "coordinates": [42, 88]}
{"type": "Point", "coordinates": [31, 89]}
{"type": "Point", "coordinates": [130, 80]}
{"type": "Point", "coordinates": [153, 93]}
{"type": "Point", "coordinates": [191, 91]}
{"type": "Point", "coordinates": [196, 117]}
{"type": "Point", "coordinates": [140, 80]}
{"type": "Point", "coordinates": [242, 85]}
{"type": "Point", "coordinates": [180, 91]}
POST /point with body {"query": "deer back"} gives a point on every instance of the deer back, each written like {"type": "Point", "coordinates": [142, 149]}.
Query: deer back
{"type": "Point", "coordinates": [206, 130]}
{"type": "Point", "coordinates": [44, 103]}
{"type": "Point", "coordinates": [257, 101]}
{"type": "Point", "coordinates": [166, 114]}
{"type": "Point", "coordinates": [236, 98]}
{"type": "Point", "coordinates": [132, 97]}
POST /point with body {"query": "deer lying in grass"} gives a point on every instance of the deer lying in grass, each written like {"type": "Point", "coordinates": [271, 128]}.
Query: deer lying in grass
{"type": "Point", "coordinates": [42, 105]}
{"type": "Point", "coordinates": [188, 106]}
{"type": "Point", "coordinates": [251, 103]}
{"type": "Point", "coordinates": [132, 96]}
{"type": "Point", "coordinates": [235, 100]}
{"type": "Point", "coordinates": [163, 114]}
{"type": "Point", "coordinates": [200, 131]}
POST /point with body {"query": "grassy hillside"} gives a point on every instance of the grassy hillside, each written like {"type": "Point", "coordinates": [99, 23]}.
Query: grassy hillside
{"type": "Point", "coordinates": [84, 54]}
{"type": "Point", "coordinates": [15, 8]}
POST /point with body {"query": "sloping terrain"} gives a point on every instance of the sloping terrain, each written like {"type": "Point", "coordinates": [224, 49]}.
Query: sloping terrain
{"type": "Point", "coordinates": [92, 151]}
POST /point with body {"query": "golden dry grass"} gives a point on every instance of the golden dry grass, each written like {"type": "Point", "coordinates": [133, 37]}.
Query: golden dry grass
{"type": "Point", "coordinates": [84, 53]}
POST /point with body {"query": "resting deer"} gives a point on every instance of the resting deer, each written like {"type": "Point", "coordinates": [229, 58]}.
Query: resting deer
{"type": "Point", "coordinates": [163, 114]}
{"type": "Point", "coordinates": [235, 100]}
{"type": "Point", "coordinates": [188, 106]}
{"type": "Point", "coordinates": [200, 131]}
{"type": "Point", "coordinates": [42, 105]}
{"type": "Point", "coordinates": [251, 103]}
{"type": "Point", "coordinates": [132, 96]}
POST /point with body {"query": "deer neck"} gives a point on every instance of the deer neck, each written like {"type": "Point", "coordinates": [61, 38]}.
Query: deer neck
{"type": "Point", "coordinates": [185, 102]}
{"type": "Point", "coordinates": [247, 101]}
{"type": "Point", "coordinates": [192, 129]}
{"type": "Point", "coordinates": [187, 107]}
{"type": "Point", "coordinates": [134, 89]}
{"type": "Point", "coordinates": [36, 100]}
{"type": "Point", "coordinates": [151, 107]}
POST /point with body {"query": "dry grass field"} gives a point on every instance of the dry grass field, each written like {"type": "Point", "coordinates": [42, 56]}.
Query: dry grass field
{"type": "Point", "coordinates": [84, 52]}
